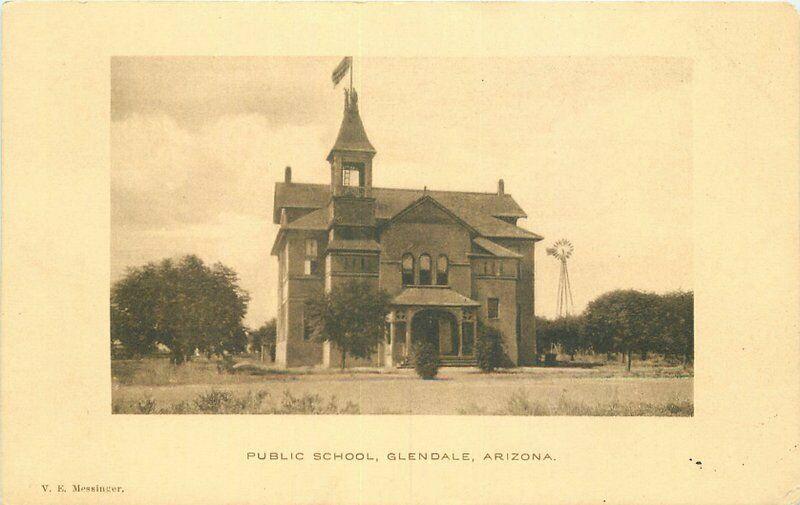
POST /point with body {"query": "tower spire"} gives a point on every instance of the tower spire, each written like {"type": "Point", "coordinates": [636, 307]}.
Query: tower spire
{"type": "Point", "coordinates": [352, 136]}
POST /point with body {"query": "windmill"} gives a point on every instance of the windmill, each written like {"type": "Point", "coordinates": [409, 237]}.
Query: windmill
{"type": "Point", "coordinates": [561, 251]}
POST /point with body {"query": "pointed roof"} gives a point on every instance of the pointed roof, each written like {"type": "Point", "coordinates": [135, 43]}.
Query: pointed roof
{"type": "Point", "coordinates": [352, 136]}
{"type": "Point", "coordinates": [435, 296]}
{"type": "Point", "coordinates": [428, 198]}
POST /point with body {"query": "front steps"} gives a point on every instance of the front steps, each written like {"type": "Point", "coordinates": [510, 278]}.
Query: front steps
{"type": "Point", "coordinates": [446, 361]}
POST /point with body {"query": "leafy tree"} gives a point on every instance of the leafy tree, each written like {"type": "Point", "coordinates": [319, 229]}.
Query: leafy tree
{"type": "Point", "coordinates": [623, 321]}
{"type": "Point", "coordinates": [426, 359]}
{"type": "Point", "coordinates": [568, 332]}
{"type": "Point", "coordinates": [265, 337]}
{"type": "Point", "coordinates": [351, 317]}
{"type": "Point", "coordinates": [676, 325]}
{"type": "Point", "coordinates": [185, 306]}
{"type": "Point", "coordinates": [544, 337]}
{"type": "Point", "coordinates": [490, 352]}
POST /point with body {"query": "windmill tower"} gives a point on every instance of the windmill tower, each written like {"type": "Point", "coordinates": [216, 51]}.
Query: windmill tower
{"type": "Point", "coordinates": [561, 251]}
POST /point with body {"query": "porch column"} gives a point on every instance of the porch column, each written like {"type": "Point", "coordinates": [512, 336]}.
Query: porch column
{"type": "Point", "coordinates": [392, 343]}
{"type": "Point", "coordinates": [460, 324]}
{"type": "Point", "coordinates": [407, 350]}
{"type": "Point", "coordinates": [474, 334]}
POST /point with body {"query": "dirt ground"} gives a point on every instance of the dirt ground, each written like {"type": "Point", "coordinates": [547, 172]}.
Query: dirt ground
{"type": "Point", "coordinates": [566, 390]}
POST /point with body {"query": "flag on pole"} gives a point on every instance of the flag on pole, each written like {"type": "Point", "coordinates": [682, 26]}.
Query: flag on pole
{"type": "Point", "coordinates": [341, 70]}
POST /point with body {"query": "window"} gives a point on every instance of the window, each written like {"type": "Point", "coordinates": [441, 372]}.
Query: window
{"type": "Point", "coordinates": [311, 248]}
{"type": "Point", "coordinates": [311, 264]}
{"type": "Point", "coordinates": [311, 267]}
{"type": "Point", "coordinates": [350, 177]}
{"type": "Point", "coordinates": [308, 329]}
{"type": "Point", "coordinates": [500, 271]}
{"type": "Point", "coordinates": [442, 266]}
{"type": "Point", "coordinates": [352, 174]}
{"type": "Point", "coordinates": [408, 269]}
{"type": "Point", "coordinates": [493, 307]}
{"type": "Point", "coordinates": [424, 269]}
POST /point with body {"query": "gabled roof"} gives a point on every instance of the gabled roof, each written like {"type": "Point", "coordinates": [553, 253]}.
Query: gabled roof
{"type": "Point", "coordinates": [495, 249]}
{"type": "Point", "coordinates": [479, 210]}
{"type": "Point", "coordinates": [426, 198]}
{"type": "Point", "coordinates": [314, 220]}
{"type": "Point", "coordinates": [435, 296]}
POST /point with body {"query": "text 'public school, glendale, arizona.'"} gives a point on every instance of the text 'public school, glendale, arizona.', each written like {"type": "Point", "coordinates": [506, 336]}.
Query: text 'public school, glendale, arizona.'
{"type": "Point", "coordinates": [446, 258]}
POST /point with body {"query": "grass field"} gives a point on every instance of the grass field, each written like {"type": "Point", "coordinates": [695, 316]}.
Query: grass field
{"type": "Point", "coordinates": [153, 385]}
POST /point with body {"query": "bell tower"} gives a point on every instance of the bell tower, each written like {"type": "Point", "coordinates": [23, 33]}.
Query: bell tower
{"type": "Point", "coordinates": [352, 208]}
{"type": "Point", "coordinates": [352, 153]}
{"type": "Point", "coordinates": [352, 253]}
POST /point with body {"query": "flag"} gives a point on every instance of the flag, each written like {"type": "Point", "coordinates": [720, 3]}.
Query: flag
{"type": "Point", "coordinates": [341, 69]}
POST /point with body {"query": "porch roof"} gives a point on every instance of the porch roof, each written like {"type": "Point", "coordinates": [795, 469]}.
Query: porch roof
{"type": "Point", "coordinates": [433, 296]}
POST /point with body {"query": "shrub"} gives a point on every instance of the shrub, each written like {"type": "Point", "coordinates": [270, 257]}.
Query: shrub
{"type": "Point", "coordinates": [312, 404]}
{"type": "Point", "coordinates": [490, 352]}
{"type": "Point", "coordinates": [426, 360]}
{"type": "Point", "coordinates": [253, 402]}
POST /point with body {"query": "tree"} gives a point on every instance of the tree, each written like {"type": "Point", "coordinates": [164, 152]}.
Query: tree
{"type": "Point", "coordinates": [544, 340]}
{"type": "Point", "coordinates": [568, 332]}
{"type": "Point", "coordinates": [184, 306]}
{"type": "Point", "coordinates": [426, 360]}
{"type": "Point", "coordinates": [623, 321]}
{"type": "Point", "coordinates": [676, 325]}
{"type": "Point", "coordinates": [351, 317]}
{"type": "Point", "coordinates": [264, 338]}
{"type": "Point", "coordinates": [490, 352]}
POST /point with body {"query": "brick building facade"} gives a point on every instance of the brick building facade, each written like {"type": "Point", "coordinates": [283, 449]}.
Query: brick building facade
{"type": "Point", "coordinates": [447, 258]}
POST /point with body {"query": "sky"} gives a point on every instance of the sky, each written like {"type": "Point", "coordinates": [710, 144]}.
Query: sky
{"type": "Point", "coordinates": [597, 150]}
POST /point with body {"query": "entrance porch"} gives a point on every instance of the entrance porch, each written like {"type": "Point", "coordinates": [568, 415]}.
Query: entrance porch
{"type": "Point", "coordinates": [447, 319]}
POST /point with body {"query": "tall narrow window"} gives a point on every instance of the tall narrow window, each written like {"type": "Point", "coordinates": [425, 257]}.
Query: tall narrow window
{"type": "Point", "coordinates": [442, 267]}
{"type": "Point", "coordinates": [311, 264]}
{"type": "Point", "coordinates": [408, 269]}
{"type": "Point", "coordinates": [308, 328]}
{"type": "Point", "coordinates": [493, 308]}
{"type": "Point", "coordinates": [424, 269]}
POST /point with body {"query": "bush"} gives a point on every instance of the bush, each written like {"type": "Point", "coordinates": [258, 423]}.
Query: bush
{"type": "Point", "coordinates": [490, 352]}
{"type": "Point", "coordinates": [253, 402]}
{"type": "Point", "coordinates": [426, 360]}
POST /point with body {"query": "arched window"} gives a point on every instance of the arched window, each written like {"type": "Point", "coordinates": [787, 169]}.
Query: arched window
{"type": "Point", "coordinates": [408, 269]}
{"type": "Point", "coordinates": [425, 269]}
{"type": "Point", "coordinates": [442, 267]}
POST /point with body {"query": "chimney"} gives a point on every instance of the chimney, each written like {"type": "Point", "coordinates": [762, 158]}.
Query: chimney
{"type": "Point", "coordinates": [284, 217]}
{"type": "Point", "coordinates": [501, 187]}
{"type": "Point", "coordinates": [288, 174]}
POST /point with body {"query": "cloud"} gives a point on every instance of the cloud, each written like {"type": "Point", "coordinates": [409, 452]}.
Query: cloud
{"type": "Point", "coordinates": [198, 90]}
{"type": "Point", "coordinates": [163, 175]}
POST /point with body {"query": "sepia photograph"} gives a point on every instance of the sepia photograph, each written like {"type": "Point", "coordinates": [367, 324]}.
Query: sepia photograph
{"type": "Point", "coordinates": [400, 253]}
{"type": "Point", "coordinates": [447, 236]}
